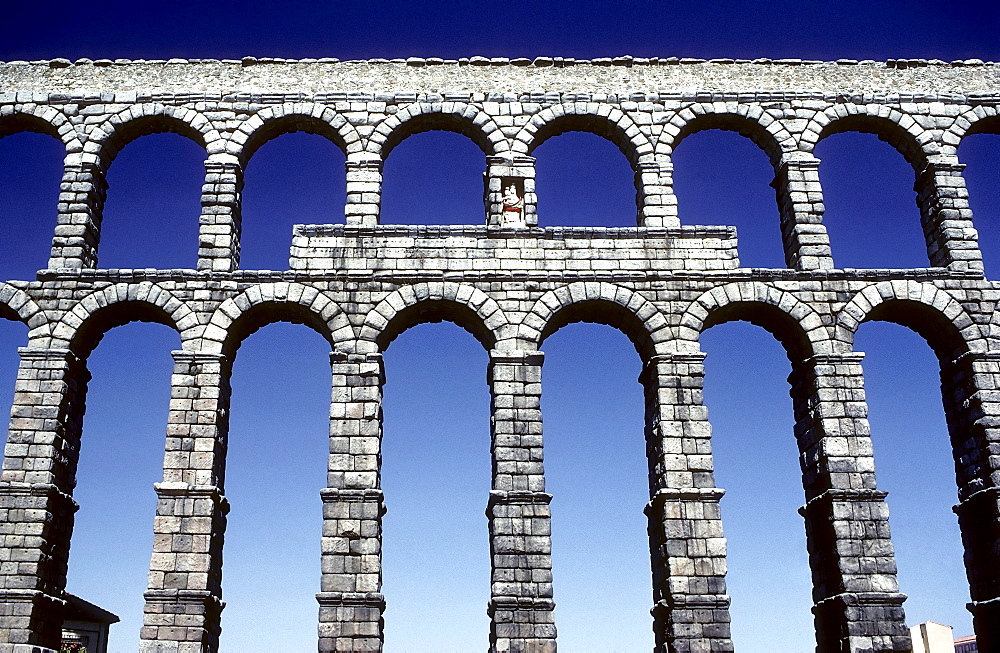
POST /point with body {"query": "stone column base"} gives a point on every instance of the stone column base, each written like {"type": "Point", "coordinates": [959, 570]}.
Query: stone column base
{"type": "Point", "coordinates": [693, 623]}
{"type": "Point", "coordinates": [180, 621]}
{"type": "Point", "coordinates": [861, 622]}
{"type": "Point", "coordinates": [986, 623]}
{"type": "Point", "coordinates": [350, 621]}
{"type": "Point", "coordinates": [522, 625]}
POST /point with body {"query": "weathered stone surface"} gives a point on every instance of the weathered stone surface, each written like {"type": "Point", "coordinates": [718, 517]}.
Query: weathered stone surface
{"type": "Point", "coordinates": [511, 284]}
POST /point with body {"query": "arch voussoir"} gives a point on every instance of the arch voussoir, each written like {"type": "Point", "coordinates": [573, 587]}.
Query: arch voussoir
{"type": "Point", "coordinates": [40, 118]}
{"type": "Point", "coordinates": [935, 300]}
{"type": "Point", "coordinates": [309, 117]}
{"type": "Point", "coordinates": [166, 308]}
{"type": "Point", "coordinates": [802, 330]}
{"type": "Point", "coordinates": [462, 118]}
{"type": "Point", "coordinates": [613, 124]}
{"type": "Point", "coordinates": [483, 316]}
{"type": "Point", "coordinates": [765, 130]}
{"type": "Point", "coordinates": [230, 322]}
{"type": "Point", "coordinates": [20, 305]}
{"type": "Point", "coordinates": [645, 319]}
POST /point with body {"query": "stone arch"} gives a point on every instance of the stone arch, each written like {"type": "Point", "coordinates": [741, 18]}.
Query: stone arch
{"type": "Point", "coordinates": [434, 301]}
{"type": "Point", "coordinates": [597, 118]}
{"type": "Point", "coordinates": [308, 117]}
{"type": "Point", "coordinates": [602, 303]}
{"type": "Point", "coordinates": [262, 304]}
{"type": "Point", "coordinates": [81, 328]}
{"type": "Point", "coordinates": [931, 312]}
{"type": "Point", "coordinates": [419, 117]}
{"type": "Point", "coordinates": [117, 131]}
{"type": "Point", "coordinates": [39, 119]}
{"type": "Point", "coordinates": [982, 119]}
{"type": "Point", "coordinates": [16, 305]}
{"type": "Point", "coordinates": [766, 131]}
{"type": "Point", "coordinates": [795, 324]}
{"type": "Point", "coordinates": [891, 125]}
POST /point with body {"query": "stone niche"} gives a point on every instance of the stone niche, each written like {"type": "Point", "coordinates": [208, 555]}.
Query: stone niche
{"type": "Point", "coordinates": [86, 627]}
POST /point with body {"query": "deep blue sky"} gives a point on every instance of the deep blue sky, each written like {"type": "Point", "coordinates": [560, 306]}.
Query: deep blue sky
{"type": "Point", "coordinates": [436, 463]}
{"type": "Point", "coordinates": [807, 29]}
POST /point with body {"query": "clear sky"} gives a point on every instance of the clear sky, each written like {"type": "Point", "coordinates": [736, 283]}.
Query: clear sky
{"type": "Point", "coordinates": [436, 444]}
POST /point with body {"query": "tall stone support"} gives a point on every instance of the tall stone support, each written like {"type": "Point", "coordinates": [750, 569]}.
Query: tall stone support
{"type": "Point", "coordinates": [654, 185]}
{"type": "Point", "coordinates": [364, 192]}
{"type": "Point", "coordinates": [971, 388]}
{"type": "Point", "coordinates": [184, 597]}
{"type": "Point", "coordinates": [800, 203]}
{"type": "Point", "coordinates": [521, 605]}
{"type": "Point", "coordinates": [501, 174]}
{"type": "Point", "coordinates": [221, 218]}
{"type": "Point", "coordinates": [952, 240]}
{"type": "Point", "coordinates": [687, 546]}
{"type": "Point", "coordinates": [857, 604]}
{"type": "Point", "coordinates": [36, 505]}
{"type": "Point", "coordinates": [350, 601]}
{"type": "Point", "coordinates": [81, 203]}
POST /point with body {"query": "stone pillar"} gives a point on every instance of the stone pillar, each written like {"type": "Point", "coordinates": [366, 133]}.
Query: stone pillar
{"type": "Point", "coordinates": [952, 240]}
{"type": "Point", "coordinates": [857, 604]}
{"type": "Point", "coordinates": [800, 203]}
{"type": "Point", "coordinates": [501, 173]}
{"type": "Point", "coordinates": [184, 599]}
{"type": "Point", "coordinates": [351, 601]}
{"type": "Point", "coordinates": [654, 187]}
{"type": "Point", "coordinates": [970, 386]}
{"type": "Point", "coordinates": [521, 606]}
{"type": "Point", "coordinates": [81, 203]}
{"type": "Point", "coordinates": [687, 546]}
{"type": "Point", "coordinates": [364, 192]}
{"type": "Point", "coordinates": [36, 506]}
{"type": "Point", "coordinates": [221, 217]}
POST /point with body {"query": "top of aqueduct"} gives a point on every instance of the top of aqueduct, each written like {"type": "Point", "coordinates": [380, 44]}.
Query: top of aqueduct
{"type": "Point", "coordinates": [895, 77]}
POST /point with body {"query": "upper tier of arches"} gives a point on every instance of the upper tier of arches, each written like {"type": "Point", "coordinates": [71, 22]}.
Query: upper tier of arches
{"type": "Point", "coordinates": [509, 132]}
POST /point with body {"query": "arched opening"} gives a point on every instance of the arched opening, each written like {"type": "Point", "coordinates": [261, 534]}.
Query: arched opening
{"type": "Point", "coordinates": [582, 180]}
{"type": "Point", "coordinates": [905, 343]}
{"type": "Point", "coordinates": [596, 471]}
{"type": "Point", "coordinates": [756, 457]}
{"type": "Point", "coordinates": [914, 462]}
{"type": "Point", "coordinates": [433, 177]}
{"type": "Point", "coordinates": [275, 467]}
{"type": "Point", "coordinates": [436, 479]}
{"type": "Point", "coordinates": [978, 152]}
{"type": "Point", "coordinates": [31, 167]}
{"type": "Point", "coordinates": [90, 334]}
{"type": "Point", "coordinates": [867, 173]}
{"type": "Point", "coordinates": [121, 457]}
{"type": "Point", "coordinates": [723, 178]}
{"type": "Point", "coordinates": [153, 203]}
{"type": "Point", "coordinates": [606, 312]}
{"type": "Point", "coordinates": [290, 178]}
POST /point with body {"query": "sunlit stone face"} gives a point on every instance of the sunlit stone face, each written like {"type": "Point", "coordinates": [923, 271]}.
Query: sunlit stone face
{"type": "Point", "coordinates": [659, 276]}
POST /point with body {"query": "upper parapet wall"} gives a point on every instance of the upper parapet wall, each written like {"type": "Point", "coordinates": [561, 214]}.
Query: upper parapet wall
{"type": "Point", "coordinates": [619, 76]}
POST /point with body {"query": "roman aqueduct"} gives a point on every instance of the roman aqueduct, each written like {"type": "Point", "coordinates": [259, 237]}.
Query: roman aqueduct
{"type": "Point", "coordinates": [511, 284]}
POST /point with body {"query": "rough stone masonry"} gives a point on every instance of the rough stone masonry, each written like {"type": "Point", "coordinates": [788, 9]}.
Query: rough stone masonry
{"type": "Point", "coordinates": [511, 284]}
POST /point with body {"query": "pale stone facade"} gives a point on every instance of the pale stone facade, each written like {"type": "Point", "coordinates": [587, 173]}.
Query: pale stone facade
{"type": "Point", "coordinates": [931, 637]}
{"type": "Point", "coordinates": [511, 284]}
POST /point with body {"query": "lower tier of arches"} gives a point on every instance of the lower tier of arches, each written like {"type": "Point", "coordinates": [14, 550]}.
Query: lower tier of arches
{"type": "Point", "coordinates": [856, 600]}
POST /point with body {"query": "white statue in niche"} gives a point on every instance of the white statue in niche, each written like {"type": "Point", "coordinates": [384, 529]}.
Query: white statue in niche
{"type": "Point", "coordinates": [513, 207]}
